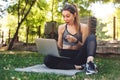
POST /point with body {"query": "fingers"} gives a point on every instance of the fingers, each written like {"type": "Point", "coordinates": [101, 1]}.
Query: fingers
{"type": "Point", "coordinates": [71, 38]}
{"type": "Point", "coordinates": [68, 36]}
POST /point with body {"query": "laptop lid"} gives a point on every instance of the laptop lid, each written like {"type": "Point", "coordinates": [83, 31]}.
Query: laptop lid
{"type": "Point", "coordinates": [47, 46]}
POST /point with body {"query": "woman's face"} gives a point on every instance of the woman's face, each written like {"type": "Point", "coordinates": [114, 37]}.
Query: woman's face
{"type": "Point", "coordinates": [68, 17]}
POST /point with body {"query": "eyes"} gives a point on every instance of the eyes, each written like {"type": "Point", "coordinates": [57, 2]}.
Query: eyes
{"type": "Point", "coordinates": [66, 16]}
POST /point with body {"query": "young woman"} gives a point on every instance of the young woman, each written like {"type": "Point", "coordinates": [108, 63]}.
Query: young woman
{"type": "Point", "coordinates": [75, 42]}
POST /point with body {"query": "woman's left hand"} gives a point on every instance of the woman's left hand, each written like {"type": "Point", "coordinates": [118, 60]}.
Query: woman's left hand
{"type": "Point", "coordinates": [71, 38]}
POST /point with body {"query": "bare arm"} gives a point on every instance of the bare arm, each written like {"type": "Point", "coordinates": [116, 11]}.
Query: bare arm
{"type": "Point", "coordinates": [84, 30]}
{"type": "Point", "coordinates": [60, 34]}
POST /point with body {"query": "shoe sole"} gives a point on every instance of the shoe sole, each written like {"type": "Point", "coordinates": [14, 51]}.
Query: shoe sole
{"type": "Point", "coordinates": [91, 72]}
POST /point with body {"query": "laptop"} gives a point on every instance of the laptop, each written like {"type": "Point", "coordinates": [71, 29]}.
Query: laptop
{"type": "Point", "coordinates": [48, 47]}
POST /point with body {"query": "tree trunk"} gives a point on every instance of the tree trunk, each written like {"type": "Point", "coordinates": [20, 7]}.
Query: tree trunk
{"type": "Point", "coordinates": [39, 31]}
{"type": "Point", "coordinates": [13, 39]}
{"type": "Point", "coordinates": [20, 22]}
{"type": "Point", "coordinates": [27, 33]}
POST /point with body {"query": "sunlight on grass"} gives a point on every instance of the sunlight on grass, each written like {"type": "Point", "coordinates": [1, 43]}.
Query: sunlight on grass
{"type": "Point", "coordinates": [16, 52]}
{"type": "Point", "coordinates": [108, 67]}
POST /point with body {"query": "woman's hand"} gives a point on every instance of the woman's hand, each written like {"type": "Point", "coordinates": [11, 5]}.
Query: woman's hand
{"type": "Point", "coordinates": [71, 38]}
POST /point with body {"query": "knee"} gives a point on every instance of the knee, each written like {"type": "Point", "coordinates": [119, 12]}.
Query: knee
{"type": "Point", "coordinates": [47, 60]}
{"type": "Point", "coordinates": [91, 37]}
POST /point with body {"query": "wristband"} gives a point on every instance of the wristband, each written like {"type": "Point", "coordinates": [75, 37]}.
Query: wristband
{"type": "Point", "coordinates": [76, 42]}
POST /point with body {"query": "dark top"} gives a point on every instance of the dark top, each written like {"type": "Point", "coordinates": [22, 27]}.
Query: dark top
{"type": "Point", "coordinates": [78, 36]}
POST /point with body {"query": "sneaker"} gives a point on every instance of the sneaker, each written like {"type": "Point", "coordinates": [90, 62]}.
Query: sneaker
{"type": "Point", "coordinates": [83, 67]}
{"type": "Point", "coordinates": [91, 68]}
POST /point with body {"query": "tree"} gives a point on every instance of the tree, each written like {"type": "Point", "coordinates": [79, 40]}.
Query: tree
{"type": "Point", "coordinates": [36, 22]}
{"type": "Point", "coordinates": [22, 14]}
{"type": "Point", "coordinates": [39, 13]}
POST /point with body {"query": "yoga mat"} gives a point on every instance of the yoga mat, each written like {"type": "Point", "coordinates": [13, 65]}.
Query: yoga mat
{"type": "Point", "coordinates": [41, 68]}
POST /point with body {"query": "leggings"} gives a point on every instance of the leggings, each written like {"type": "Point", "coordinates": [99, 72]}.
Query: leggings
{"type": "Point", "coordinates": [76, 57]}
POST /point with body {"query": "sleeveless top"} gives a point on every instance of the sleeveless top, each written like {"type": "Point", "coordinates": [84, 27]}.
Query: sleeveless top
{"type": "Point", "coordinates": [78, 36]}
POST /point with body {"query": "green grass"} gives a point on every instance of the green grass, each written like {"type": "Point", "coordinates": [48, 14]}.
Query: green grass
{"type": "Point", "coordinates": [109, 67]}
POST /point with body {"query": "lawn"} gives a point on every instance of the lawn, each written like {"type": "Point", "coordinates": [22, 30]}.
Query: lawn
{"type": "Point", "coordinates": [108, 66]}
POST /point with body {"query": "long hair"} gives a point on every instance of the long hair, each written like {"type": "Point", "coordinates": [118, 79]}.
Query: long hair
{"type": "Point", "coordinates": [72, 8]}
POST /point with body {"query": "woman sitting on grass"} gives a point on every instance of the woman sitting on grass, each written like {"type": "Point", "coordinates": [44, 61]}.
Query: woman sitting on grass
{"type": "Point", "coordinates": [74, 42]}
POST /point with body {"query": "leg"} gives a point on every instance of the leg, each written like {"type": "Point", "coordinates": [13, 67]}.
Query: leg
{"type": "Point", "coordinates": [91, 51]}
{"type": "Point", "coordinates": [61, 63]}
{"type": "Point", "coordinates": [91, 47]}
{"type": "Point", "coordinates": [87, 51]}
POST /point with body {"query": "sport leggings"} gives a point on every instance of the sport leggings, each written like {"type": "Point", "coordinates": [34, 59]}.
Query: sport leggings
{"type": "Point", "coordinates": [76, 57]}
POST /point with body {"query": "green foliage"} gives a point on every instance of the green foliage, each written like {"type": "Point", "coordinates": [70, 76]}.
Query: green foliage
{"type": "Point", "coordinates": [101, 35]}
{"type": "Point", "coordinates": [36, 17]}
{"type": "Point", "coordinates": [43, 12]}
{"type": "Point", "coordinates": [114, 1]}
{"type": "Point", "coordinates": [39, 14]}
{"type": "Point", "coordinates": [13, 9]}
{"type": "Point", "coordinates": [11, 24]}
